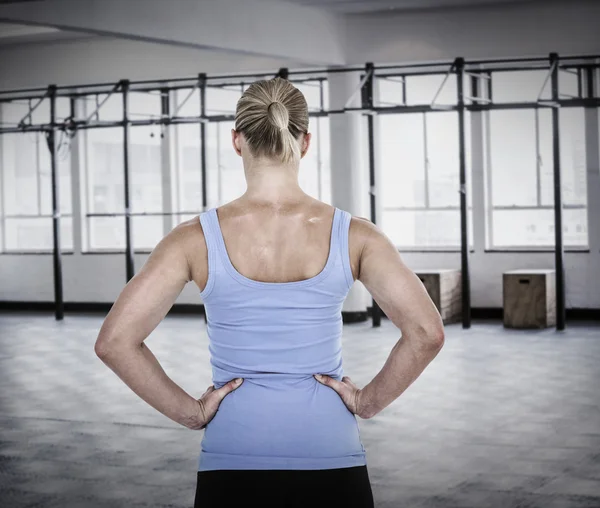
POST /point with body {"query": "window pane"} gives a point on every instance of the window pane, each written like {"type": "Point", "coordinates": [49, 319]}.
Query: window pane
{"type": "Point", "coordinates": [312, 93]}
{"type": "Point", "coordinates": [443, 158]}
{"type": "Point", "coordinates": [231, 169]}
{"type": "Point", "coordinates": [105, 187]}
{"type": "Point", "coordinates": [222, 101]}
{"type": "Point", "coordinates": [315, 162]}
{"type": "Point", "coordinates": [144, 105]}
{"type": "Point", "coordinates": [146, 231]}
{"type": "Point", "coordinates": [402, 157]}
{"type": "Point", "coordinates": [213, 175]}
{"type": "Point", "coordinates": [529, 228]}
{"type": "Point", "coordinates": [27, 182]}
{"type": "Point", "coordinates": [20, 156]}
{"type": "Point", "coordinates": [422, 89]}
{"type": "Point", "coordinates": [188, 165]}
{"type": "Point", "coordinates": [106, 232]}
{"type": "Point", "coordinates": [390, 91]}
{"type": "Point", "coordinates": [572, 156]}
{"type": "Point", "coordinates": [513, 157]}
{"type": "Point", "coordinates": [423, 228]}
{"type": "Point", "coordinates": [188, 102]}
{"type": "Point", "coordinates": [515, 182]}
{"type": "Point", "coordinates": [526, 86]}
{"type": "Point", "coordinates": [36, 234]}
{"type": "Point", "coordinates": [111, 110]}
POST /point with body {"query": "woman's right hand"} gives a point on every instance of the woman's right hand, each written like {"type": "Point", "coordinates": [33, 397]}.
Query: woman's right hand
{"type": "Point", "coordinates": [346, 389]}
{"type": "Point", "coordinates": [211, 400]}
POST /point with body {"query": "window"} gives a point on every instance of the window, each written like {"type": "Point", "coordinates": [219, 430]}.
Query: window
{"type": "Point", "coordinates": [26, 179]}
{"type": "Point", "coordinates": [419, 154]}
{"type": "Point", "coordinates": [105, 178]}
{"type": "Point", "coordinates": [521, 177]}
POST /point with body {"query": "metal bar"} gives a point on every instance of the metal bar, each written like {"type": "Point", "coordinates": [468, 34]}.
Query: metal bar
{"type": "Point", "coordinates": [538, 159]}
{"type": "Point", "coordinates": [426, 161]}
{"type": "Point", "coordinates": [159, 83]}
{"type": "Point", "coordinates": [129, 260]}
{"type": "Point", "coordinates": [366, 89]}
{"type": "Point", "coordinates": [564, 103]}
{"type": "Point", "coordinates": [558, 228]}
{"type": "Point", "coordinates": [459, 66]}
{"type": "Point", "coordinates": [59, 306]}
{"type": "Point", "coordinates": [38, 176]}
{"type": "Point", "coordinates": [203, 175]}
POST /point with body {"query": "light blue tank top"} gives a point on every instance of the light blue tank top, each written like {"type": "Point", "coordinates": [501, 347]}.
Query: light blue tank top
{"type": "Point", "coordinates": [276, 335]}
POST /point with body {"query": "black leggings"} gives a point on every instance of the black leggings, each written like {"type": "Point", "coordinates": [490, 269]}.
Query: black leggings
{"type": "Point", "coordinates": [284, 488]}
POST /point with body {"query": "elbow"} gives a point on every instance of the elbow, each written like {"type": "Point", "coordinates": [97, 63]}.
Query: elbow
{"type": "Point", "coordinates": [104, 346]}
{"type": "Point", "coordinates": [101, 348]}
{"type": "Point", "coordinates": [437, 337]}
{"type": "Point", "coordinates": [433, 337]}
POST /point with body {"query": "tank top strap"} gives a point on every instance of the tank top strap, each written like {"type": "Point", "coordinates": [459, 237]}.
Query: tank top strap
{"type": "Point", "coordinates": [211, 239]}
{"type": "Point", "coordinates": [343, 231]}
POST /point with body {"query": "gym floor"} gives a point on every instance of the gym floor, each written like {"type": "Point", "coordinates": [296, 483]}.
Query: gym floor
{"type": "Point", "coordinates": [501, 418]}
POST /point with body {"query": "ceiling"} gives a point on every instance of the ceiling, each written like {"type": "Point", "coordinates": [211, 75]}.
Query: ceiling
{"type": "Point", "coordinates": [362, 6]}
{"type": "Point", "coordinates": [13, 33]}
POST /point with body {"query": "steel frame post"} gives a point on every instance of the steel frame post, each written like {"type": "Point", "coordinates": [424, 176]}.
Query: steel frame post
{"type": "Point", "coordinates": [558, 222]}
{"type": "Point", "coordinates": [459, 69]}
{"type": "Point", "coordinates": [59, 306]}
{"type": "Point", "coordinates": [129, 258]}
{"type": "Point", "coordinates": [367, 103]}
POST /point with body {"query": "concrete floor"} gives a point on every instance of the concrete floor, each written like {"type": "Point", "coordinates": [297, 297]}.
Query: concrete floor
{"type": "Point", "coordinates": [500, 418]}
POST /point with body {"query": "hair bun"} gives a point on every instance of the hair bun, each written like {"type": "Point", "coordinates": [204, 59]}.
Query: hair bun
{"type": "Point", "coordinates": [278, 115]}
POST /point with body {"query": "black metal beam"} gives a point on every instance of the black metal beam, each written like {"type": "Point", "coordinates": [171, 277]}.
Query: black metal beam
{"type": "Point", "coordinates": [459, 69]}
{"type": "Point", "coordinates": [558, 227]}
{"type": "Point", "coordinates": [367, 102]}
{"type": "Point", "coordinates": [59, 305]}
{"type": "Point", "coordinates": [202, 87]}
{"type": "Point", "coordinates": [129, 260]}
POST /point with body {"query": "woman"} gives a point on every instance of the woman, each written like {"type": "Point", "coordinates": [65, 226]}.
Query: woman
{"type": "Point", "coordinates": [273, 268]}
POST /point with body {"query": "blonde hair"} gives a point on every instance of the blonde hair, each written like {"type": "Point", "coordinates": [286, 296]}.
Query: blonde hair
{"type": "Point", "coordinates": [272, 114]}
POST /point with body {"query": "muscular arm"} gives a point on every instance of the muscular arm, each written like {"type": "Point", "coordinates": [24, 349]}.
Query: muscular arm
{"type": "Point", "coordinates": [403, 298]}
{"type": "Point", "coordinates": [138, 310]}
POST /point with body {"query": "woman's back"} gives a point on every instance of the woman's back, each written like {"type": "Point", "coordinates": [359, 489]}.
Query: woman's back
{"type": "Point", "coordinates": [276, 328]}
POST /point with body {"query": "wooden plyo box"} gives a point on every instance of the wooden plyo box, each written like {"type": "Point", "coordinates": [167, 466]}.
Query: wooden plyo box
{"type": "Point", "coordinates": [529, 298]}
{"type": "Point", "coordinates": [444, 288]}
